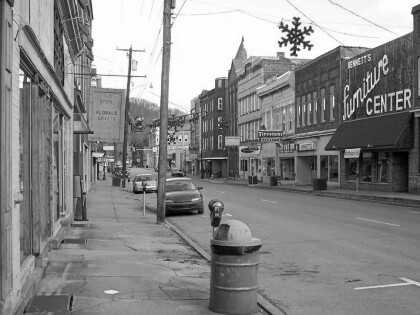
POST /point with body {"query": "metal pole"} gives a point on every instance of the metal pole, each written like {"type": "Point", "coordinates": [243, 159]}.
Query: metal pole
{"type": "Point", "coordinates": [164, 98]}
{"type": "Point", "coordinates": [144, 202]}
{"type": "Point", "coordinates": [127, 109]}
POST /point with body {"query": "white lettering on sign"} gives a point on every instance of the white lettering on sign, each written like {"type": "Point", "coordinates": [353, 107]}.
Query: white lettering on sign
{"type": "Point", "coordinates": [377, 104]}
{"type": "Point", "coordinates": [359, 61]}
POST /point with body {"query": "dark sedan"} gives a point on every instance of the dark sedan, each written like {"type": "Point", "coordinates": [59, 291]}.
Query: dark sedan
{"type": "Point", "coordinates": [183, 196]}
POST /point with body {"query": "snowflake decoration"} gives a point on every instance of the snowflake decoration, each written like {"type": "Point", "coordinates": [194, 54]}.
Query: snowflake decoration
{"type": "Point", "coordinates": [295, 36]}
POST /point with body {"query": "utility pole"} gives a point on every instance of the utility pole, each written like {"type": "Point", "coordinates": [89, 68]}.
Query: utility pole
{"type": "Point", "coordinates": [164, 98]}
{"type": "Point", "coordinates": [127, 110]}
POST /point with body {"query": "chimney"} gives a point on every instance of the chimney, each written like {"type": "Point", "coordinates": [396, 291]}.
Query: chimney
{"type": "Point", "coordinates": [280, 55]}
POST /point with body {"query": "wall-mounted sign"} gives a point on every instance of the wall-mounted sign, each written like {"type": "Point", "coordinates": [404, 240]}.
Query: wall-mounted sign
{"type": "Point", "coordinates": [352, 153]}
{"type": "Point", "coordinates": [270, 135]}
{"type": "Point", "coordinates": [307, 146]}
{"type": "Point", "coordinates": [106, 115]}
{"type": "Point", "coordinates": [251, 150]}
{"type": "Point", "coordinates": [380, 81]}
{"type": "Point", "coordinates": [287, 147]}
{"type": "Point", "coordinates": [108, 148]}
{"type": "Point", "coordinates": [231, 141]}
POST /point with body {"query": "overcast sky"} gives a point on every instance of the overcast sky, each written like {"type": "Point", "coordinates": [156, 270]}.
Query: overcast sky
{"type": "Point", "coordinates": [206, 35]}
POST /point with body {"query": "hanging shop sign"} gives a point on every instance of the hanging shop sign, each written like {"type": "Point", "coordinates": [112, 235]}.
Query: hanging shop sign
{"type": "Point", "coordinates": [270, 135]}
{"type": "Point", "coordinates": [352, 153]}
{"type": "Point", "coordinates": [379, 81]}
{"type": "Point", "coordinates": [106, 115]}
{"type": "Point", "coordinates": [254, 150]}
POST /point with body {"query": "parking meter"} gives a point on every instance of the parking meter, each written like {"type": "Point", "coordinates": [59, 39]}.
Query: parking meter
{"type": "Point", "coordinates": [216, 208]}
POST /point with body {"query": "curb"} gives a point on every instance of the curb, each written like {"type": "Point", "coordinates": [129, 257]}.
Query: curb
{"type": "Point", "coordinates": [394, 201]}
{"type": "Point", "coordinates": [263, 302]}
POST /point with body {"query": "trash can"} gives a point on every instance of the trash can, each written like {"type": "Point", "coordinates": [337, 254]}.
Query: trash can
{"type": "Point", "coordinates": [319, 183]}
{"type": "Point", "coordinates": [273, 180]}
{"type": "Point", "coordinates": [234, 267]}
{"type": "Point", "coordinates": [116, 181]}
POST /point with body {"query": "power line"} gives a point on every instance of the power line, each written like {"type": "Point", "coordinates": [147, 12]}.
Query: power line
{"type": "Point", "coordinates": [316, 24]}
{"type": "Point", "coordinates": [360, 16]}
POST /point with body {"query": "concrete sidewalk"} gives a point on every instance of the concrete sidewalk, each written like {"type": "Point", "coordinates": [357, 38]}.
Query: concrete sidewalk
{"type": "Point", "coordinates": [394, 198]}
{"type": "Point", "coordinates": [146, 266]}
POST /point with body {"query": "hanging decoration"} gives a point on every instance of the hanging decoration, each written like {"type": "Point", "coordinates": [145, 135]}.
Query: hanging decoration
{"type": "Point", "coordinates": [295, 36]}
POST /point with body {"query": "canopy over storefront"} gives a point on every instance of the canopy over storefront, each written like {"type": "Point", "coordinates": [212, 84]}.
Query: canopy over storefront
{"type": "Point", "coordinates": [392, 131]}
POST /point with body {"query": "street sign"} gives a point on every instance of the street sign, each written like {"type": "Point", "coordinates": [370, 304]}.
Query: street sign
{"type": "Point", "coordinates": [108, 148]}
{"type": "Point", "coordinates": [352, 153]}
{"type": "Point", "coordinates": [231, 141]}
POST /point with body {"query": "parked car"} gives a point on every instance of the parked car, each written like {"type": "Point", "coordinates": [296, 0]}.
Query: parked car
{"type": "Point", "coordinates": [151, 184]}
{"type": "Point", "coordinates": [182, 195]}
{"type": "Point", "coordinates": [177, 172]}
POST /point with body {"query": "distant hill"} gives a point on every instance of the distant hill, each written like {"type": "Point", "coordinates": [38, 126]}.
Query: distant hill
{"type": "Point", "coordinates": [148, 111]}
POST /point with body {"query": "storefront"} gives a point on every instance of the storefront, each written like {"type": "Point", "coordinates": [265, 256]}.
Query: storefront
{"type": "Point", "coordinates": [376, 138]}
{"type": "Point", "coordinates": [375, 156]}
{"type": "Point", "coordinates": [250, 161]}
{"type": "Point", "coordinates": [313, 161]}
{"type": "Point", "coordinates": [286, 161]}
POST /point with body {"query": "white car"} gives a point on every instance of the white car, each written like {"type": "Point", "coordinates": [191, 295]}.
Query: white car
{"type": "Point", "coordinates": [144, 181]}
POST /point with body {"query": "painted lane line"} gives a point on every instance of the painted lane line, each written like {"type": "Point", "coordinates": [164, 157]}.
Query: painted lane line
{"type": "Point", "coordinates": [401, 284]}
{"type": "Point", "coordinates": [269, 201]}
{"type": "Point", "coordinates": [220, 192]}
{"type": "Point", "coordinates": [376, 221]}
{"type": "Point", "coordinates": [227, 215]}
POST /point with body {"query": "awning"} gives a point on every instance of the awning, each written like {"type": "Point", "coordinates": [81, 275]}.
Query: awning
{"type": "Point", "coordinates": [392, 131]}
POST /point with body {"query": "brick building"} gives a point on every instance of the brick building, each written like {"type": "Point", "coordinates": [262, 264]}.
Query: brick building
{"type": "Point", "coordinates": [375, 139]}
{"type": "Point", "coordinates": [317, 91]}
{"type": "Point", "coordinates": [255, 72]}
{"type": "Point", "coordinates": [213, 152]}
{"type": "Point", "coordinates": [195, 147]}
{"type": "Point", "coordinates": [40, 41]}
{"type": "Point", "coordinates": [232, 108]}
{"type": "Point", "coordinates": [277, 97]}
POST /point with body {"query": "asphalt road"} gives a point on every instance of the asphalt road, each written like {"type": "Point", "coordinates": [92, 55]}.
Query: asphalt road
{"type": "Point", "coordinates": [318, 251]}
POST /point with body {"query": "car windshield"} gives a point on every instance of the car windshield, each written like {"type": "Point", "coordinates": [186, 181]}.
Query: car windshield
{"type": "Point", "coordinates": [142, 178]}
{"type": "Point", "coordinates": [179, 185]}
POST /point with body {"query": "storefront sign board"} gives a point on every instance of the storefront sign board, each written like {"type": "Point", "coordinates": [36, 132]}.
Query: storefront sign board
{"type": "Point", "coordinates": [379, 81]}
{"type": "Point", "coordinates": [352, 153]}
{"type": "Point", "coordinates": [231, 141]}
{"type": "Point", "coordinates": [307, 146]}
{"type": "Point", "coordinates": [106, 115]}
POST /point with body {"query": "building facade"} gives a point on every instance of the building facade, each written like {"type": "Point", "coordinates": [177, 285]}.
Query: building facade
{"type": "Point", "coordinates": [213, 153]}
{"type": "Point", "coordinates": [232, 108]}
{"type": "Point", "coordinates": [375, 138]}
{"type": "Point", "coordinates": [255, 72]}
{"type": "Point", "coordinates": [38, 59]}
{"type": "Point", "coordinates": [195, 147]}
{"type": "Point", "coordinates": [277, 98]}
{"type": "Point", "coordinates": [317, 91]}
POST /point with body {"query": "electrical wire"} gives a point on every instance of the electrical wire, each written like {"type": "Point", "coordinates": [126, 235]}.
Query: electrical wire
{"type": "Point", "coordinates": [314, 23]}
{"type": "Point", "coordinates": [361, 17]}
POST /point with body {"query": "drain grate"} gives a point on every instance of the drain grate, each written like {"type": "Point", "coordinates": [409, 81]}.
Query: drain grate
{"type": "Point", "coordinates": [50, 303]}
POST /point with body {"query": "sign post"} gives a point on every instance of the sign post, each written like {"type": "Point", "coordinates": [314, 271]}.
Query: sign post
{"type": "Point", "coordinates": [354, 154]}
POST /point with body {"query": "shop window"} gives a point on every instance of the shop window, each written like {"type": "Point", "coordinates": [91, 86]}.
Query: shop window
{"type": "Point", "coordinates": [351, 169]}
{"type": "Point", "coordinates": [383, 168]}
{"type": "Point", "coordinates": [333, 168]}
{"type": "Point", "coordinates": [220, 142]}
{"type": "Point", "coordinates": [244, 165]}
{"type": "Point", "coordinates": [269, 167]}
{"type": "Point", "coordinates": [366, 167]}
{"type": "Point", "coordinates": [324, 166]}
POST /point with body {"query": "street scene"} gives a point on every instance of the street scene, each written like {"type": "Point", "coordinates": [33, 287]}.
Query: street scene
{"type": "Point", "coordinates": [209, 157]}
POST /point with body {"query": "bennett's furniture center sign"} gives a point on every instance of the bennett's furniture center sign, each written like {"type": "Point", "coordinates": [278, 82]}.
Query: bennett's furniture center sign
{"type": "Point", "coordinates": [379, 81]}
{"type": "Point", "coordinates": [106, 115]}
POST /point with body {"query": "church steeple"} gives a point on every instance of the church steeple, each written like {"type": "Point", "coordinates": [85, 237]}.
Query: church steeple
{"type": "Point", "coordinates": [241, 55]}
